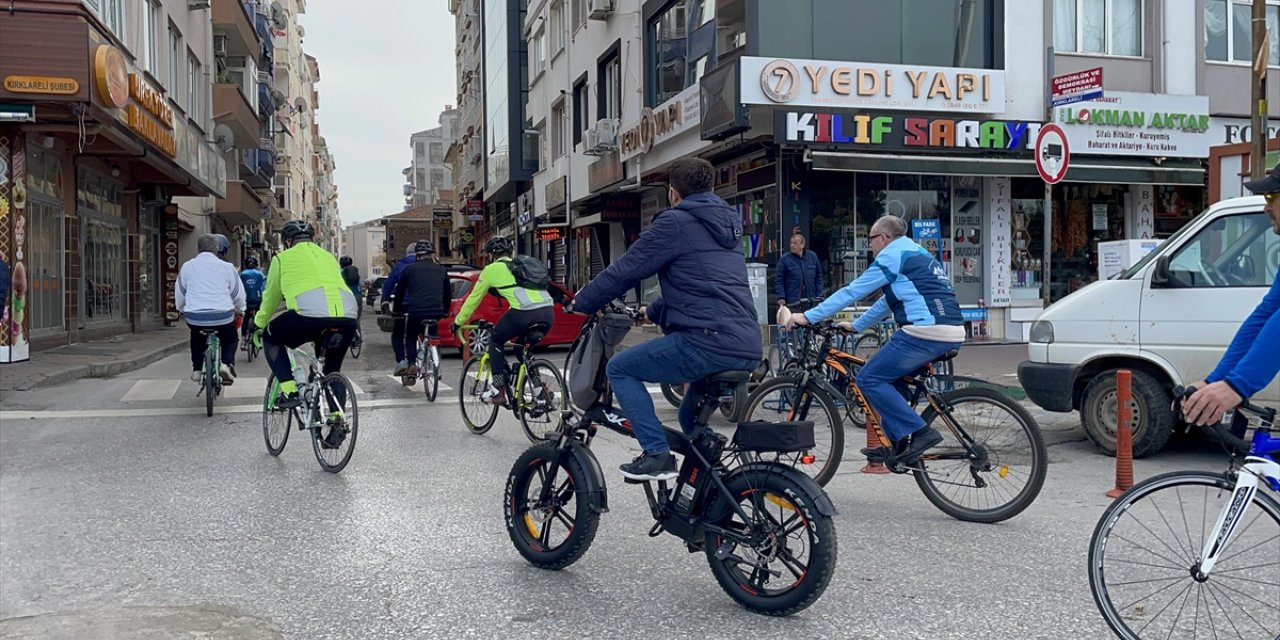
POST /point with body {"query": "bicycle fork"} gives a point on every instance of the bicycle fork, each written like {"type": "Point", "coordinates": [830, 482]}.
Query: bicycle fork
{"type": "Point", "coordinates": [1233, 514]}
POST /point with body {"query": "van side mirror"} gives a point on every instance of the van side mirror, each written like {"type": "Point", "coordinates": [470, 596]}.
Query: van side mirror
{"type": "Point", "coordinates": [1160, 272]}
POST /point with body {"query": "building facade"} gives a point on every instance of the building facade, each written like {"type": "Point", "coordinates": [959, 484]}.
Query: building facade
{"type": "Point", "coordinates": [365, 242]}
{"type": "Point", "coordinates": [464, 155]}
{"type": "Point", "coordinates": [429, 172]}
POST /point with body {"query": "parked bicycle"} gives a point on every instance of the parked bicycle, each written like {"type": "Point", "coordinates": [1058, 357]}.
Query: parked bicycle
{"type": "Point", "coordinates": [210, 378]}
{"type": "Point", "coordinates": [766, 529]}
{"type": "Point", "coordinates": [427, 366]}
{"type": "Point", "coordinates": [1192, 554]}
{"type": "Point", "coordinates": [328, 409]}
{"type": "Point", "coordinates": [989, 467]}
{"type": "Point", "coordinates": [537, 393]}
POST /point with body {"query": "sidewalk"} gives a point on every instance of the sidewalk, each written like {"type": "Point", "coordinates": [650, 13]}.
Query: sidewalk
{"type": "Point", "coordinates": [103, 359]}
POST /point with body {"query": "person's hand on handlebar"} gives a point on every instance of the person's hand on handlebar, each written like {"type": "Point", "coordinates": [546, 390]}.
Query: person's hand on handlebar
{"type": "Point", "coordinates": [796, 320]}
{"type": "Point", "coordinates": [1210, 403]}
{"type": "Point", "coordinates": [846, 327]}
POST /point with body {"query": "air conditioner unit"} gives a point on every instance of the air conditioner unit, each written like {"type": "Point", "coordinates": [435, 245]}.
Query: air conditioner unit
{"type": "Point", "coordinates": [196, 5]}
{"type": "Point", "coordinates": [592, 141]}
{"type": "Point", "coordinates": [600, 9]}
{"type": "Point", "coordinates": [220, 46]}
{"type": "Point", "coordinates": [602, 137]}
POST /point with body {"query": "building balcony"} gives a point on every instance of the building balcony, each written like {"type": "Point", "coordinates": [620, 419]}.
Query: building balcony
{"type": "Point", "coordinates": [266, 103]}
{"type": "Point", "coordinates": [231, 107]}
{"type": "Point", "coordinates": [258, 168]}
{"type": "Point", "coordinates": [262, 24]}
{"type": "Point", "coordinates": [234, 20]}
{"type": "Point", "coordinates": [242, 206]}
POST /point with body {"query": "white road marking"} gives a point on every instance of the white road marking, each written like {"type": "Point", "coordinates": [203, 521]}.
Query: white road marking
{"type": "Point", "coordinates": [184, 411]}
{"type": "Point", "coordinates": [152, 390]}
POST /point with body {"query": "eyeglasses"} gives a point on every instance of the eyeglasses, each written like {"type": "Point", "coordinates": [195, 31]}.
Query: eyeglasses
{"type": "Point", "coordinates": [878, 235]}
{"type": "Point", "coordinates": [1271, 197]}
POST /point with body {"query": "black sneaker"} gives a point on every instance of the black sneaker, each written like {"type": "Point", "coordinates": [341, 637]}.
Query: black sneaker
{"type": "Point", "coordinates": [919, 442]}
{"type": "Point", "coordinates": [875, 454]}
{"type": "Point", "coordinates": [337, 434]}
{"type": "Point", "coordinates": [647, 467]}
{"type": "Point", "coordinates": [286, 401]}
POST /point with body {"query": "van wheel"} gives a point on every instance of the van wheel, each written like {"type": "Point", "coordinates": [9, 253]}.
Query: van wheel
{"type": "Point", "coordinates": [1152, 416]}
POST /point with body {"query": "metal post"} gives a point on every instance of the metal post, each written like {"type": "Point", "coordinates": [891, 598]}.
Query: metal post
{"type": "Point", "coordinates": [1261, 55]}
{"type": "Point", "coordinates": [1045, 265]}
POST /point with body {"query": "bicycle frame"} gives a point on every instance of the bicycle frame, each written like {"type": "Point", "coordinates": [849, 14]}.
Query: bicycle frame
{"type": "Point", "coordinates": [1258, 464]}
{"type": "Point", "coordinates": [522, 354]}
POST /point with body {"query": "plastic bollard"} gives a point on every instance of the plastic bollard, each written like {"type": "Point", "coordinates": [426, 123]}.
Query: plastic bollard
{"type": "Point", "coordinates": [1124, 433]}
{"type": "Point", "coordinates": [873, 440]}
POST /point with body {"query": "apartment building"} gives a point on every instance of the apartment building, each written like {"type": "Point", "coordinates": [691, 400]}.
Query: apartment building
{"type": "Point", "coordinates": [464, 155]}
{"type": "Point", "coordinates": [429, 171]}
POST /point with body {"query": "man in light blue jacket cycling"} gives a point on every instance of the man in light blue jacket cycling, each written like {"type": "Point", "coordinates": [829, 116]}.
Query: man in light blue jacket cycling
{"type": "Point", "coordinates": [922, 301]}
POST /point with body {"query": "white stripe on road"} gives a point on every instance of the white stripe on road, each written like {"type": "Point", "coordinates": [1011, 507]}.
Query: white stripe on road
{"type": "Point", "coordinates": [439, 387]}
{"type": "Point", "coordinates": [182, 411]}
{"type": "Point", "coordinates": [151, 390]}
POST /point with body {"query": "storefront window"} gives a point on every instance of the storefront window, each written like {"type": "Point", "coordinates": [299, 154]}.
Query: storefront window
{"type": "Point", "coordinates": [103, 235]}
{"type": "Point", "coordinates": [1176, 205]}
{"type": "Point", "coordinates": [1026, 251]}
{"type": "Point", "coordinates": [1083, 216]}
{"type": "Point", "coordinates": [44, 241]}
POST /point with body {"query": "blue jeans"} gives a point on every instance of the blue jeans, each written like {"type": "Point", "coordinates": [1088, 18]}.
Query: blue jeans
{"type": "Point", "coordinates": [880, 380]}
{"type": "Point", "coordinates": [671, 359]}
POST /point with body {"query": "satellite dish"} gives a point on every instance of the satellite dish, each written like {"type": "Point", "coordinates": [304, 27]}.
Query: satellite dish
{"type": "Point", "coordinates": [279, 97]}
{"type": "Point", "coordinates": [278, 18]}
{"type": "Point", "coordinates": [300, 104]}
{"type": "Point", "coordinates": [301, 32]}
{"type": "Point", "coordinates": [224, 137]}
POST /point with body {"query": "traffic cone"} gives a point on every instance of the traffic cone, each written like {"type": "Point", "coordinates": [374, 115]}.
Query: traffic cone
{"type": "Point", "coordinates": [873, 440]}
{"type": "Point", "coordinates": [1124, 433]}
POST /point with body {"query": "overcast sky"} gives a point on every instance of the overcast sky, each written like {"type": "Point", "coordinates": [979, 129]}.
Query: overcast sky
{"type": "Point", "coordinates": [386, 71]}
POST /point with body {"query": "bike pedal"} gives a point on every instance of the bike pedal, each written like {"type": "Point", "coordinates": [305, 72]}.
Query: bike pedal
{"type": "Point", "coordinates": [633, 481]}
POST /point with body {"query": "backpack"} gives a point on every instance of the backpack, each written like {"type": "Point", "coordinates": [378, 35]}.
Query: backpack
{"type": "Point", "coordinates": [587, 360]}
{"type": "Point", "coordinates": [529, 272]}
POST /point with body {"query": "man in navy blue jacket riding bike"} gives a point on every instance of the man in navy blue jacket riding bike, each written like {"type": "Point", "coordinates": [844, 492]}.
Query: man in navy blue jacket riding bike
{"type": "Point", "coordinates": [1251, 361]}
{"type": "Point", "coordinates": [705, 310]}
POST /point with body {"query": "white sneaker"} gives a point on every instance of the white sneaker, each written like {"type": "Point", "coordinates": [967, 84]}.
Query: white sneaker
{"type": "Point", "coordinates": [228, 376]}
{"type": "Point", "coordinates": [197, 376]}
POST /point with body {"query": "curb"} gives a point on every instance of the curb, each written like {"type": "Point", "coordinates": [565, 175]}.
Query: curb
{"type": "Point", "coordinates": [102, 370]}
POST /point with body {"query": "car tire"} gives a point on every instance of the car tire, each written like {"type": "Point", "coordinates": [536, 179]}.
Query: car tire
{"type": "Point", "coordinates": [1153, 419]}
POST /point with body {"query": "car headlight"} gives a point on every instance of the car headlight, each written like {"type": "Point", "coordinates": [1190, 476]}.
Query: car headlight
{"type": "Point", "coordinates": [1042, 331]}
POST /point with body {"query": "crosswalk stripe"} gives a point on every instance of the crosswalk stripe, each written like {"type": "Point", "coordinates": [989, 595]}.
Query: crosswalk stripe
{"type": "Point", "coordinates": [151, 390]}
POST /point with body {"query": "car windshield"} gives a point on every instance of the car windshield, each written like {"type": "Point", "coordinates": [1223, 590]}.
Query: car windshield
{"type": "Point", "coordinates": [461, 287]}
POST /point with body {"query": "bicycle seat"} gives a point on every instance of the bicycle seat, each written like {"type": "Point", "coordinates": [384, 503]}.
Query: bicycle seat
{"type": "Point", "coordinates": [727, 377]}
{"type": "Point", "coordinates": [534, 334]}
{"type": "Point", "coordinates": [428, 323]}
{"type": "Point", "coordinates": [948, 355]}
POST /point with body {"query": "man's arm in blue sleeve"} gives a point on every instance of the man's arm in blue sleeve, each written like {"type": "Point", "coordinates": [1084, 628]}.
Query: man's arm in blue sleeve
{"type": "Point", "coordinates": [873, 316]}
{"type": "Point", "coordinates": [655, 248]}
{"type": "Point", "coordinates": [1248, 336]}
{"type": "Point", "coordinates": [875, 277]}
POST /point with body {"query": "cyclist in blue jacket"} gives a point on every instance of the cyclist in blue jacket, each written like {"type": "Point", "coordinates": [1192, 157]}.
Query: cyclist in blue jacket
{"type": "Point", "coordinates": [1251, 361]}
{"type": "Point", "coordinates": [254, 282]}
{"type": "Point", "coordinates": [917, 291]}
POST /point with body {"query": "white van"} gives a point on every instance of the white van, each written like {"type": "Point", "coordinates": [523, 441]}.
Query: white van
{"type": "Point", "coordinates": [1168, 319]}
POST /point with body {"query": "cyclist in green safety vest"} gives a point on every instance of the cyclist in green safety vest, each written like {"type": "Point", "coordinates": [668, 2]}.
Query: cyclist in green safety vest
{"type": "Point", "coordinates": [529, 307]}
{"type": "Point", "coordinates": [318, 304]}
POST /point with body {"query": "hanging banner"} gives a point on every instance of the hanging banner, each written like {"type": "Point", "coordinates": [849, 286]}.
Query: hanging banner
{"type": "Point", "coordinates": [15, 345]}
{"type": "Point", "coordinates": [169, 262]}
{"type": "Point", "coordinates": [999, 278]}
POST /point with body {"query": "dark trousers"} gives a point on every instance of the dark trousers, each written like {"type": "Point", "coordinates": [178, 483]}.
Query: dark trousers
{"type": "Point", "coordinates": [397, 337]}
{"type": "Point", "coordinates": [246, 327]}
{"type": "Point", "coordinates": [226, 336]}
{"type": "Point", "coordinates": [413, 329]}
{"type": "Point", "coordinates": [292, 330]}
{"type": "Point", "coordinates": [514, 323]}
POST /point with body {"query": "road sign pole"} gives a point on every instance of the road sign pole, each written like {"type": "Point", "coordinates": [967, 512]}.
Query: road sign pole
{"type": "Point", "coordinates": [1048, 243]}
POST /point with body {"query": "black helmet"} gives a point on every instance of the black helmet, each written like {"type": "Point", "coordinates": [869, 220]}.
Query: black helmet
{"type": "Point", "coordinates": [344, 261]}
{"type": "Point", "coordinates": [423, 247]}
{"type": "Point", "coordinates": [224, 245]}
{"type": "Point", "coordinates": [295, 229]}
{"type": "Point", "coordinates": [251, 263]}
{"type": "Point", "coordinates": [498, 245]}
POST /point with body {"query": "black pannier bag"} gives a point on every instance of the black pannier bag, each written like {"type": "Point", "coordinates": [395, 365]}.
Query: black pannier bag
{"type": "Point", "coordinates": [777, 437]}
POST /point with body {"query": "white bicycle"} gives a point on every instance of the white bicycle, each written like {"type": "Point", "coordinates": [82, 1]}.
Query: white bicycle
{"type": "Point", "coordinates": [1192, 554]}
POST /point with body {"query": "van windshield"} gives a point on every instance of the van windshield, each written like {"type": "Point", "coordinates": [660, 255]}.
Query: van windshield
{"type": "Point", "coordinates": [1131, 271]}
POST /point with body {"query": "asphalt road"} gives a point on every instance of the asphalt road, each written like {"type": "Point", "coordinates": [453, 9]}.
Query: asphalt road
{"type": "Point", "coordinates": [126, 513]}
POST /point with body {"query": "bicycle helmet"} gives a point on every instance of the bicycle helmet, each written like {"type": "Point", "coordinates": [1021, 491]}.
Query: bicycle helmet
{"type": "Point", "coordinates": [224, 245]}
{"type": "Point", "coordinates": [423, 247]}
{"type": "Point", "coordinates": [344, 261]}
{"type": "Point", "coordinates": [296, 229]}
{"type": "Point", "coordinates": [498, 245]}
{"type": "Point", "coordinates": [251, 262]}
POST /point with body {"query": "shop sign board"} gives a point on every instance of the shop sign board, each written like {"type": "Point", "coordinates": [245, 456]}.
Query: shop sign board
{"type": "Point", "coordinates": [659, 124]}
{"type": "Point", "coordinates": [999, 235]}
{"type": "Point", "coordinates": [1076, 87]}
{"type": "Point", "coordinates": [1151, 125]}
{"type": "Point", "coordinates": [871, 130]}
{"type": "Point", "coordinates": [475, 209]}
{"type": "Point", "coordinates": [829, 83]}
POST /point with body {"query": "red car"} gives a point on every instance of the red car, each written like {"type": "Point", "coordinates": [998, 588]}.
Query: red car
{"type": "Point", "coordinates": [563, 331]}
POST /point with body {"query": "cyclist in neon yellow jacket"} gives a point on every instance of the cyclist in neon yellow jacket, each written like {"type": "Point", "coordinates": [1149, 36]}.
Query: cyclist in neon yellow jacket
{"type": "Point", "coordinates": [317, 302]}
{"type": "Point", "coordinates": [529, 307]}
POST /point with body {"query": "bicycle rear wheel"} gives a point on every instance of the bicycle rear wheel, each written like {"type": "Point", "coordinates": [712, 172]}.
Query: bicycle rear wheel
{"type": "Point", "coordinates": [250, 352]}
{"type": "Point", "coordinates": [212, 378]}
{"type": "Point", "coordinates": [1148, 542]}
{"type": "Point", "coordinates": [334, 439]}
{"type": "Point", "coordinates": [543, 396]}
{"type": "Point", "coordinates": [782, 400]}
{"type": "Point", "coordinates": [357, 345]}
{"type": "Point", "coordinates": [430, 371]}
{"type": "Point", "coordinates": [477, 413]}
{"type": "Point", "coordinates": [997, 472]}
{"type": "Point", "coordinates": [275, 424]}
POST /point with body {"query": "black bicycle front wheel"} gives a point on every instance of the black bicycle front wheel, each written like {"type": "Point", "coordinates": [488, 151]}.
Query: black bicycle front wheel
{"type": "Point", "coordinates": [334, 439]}
{"type": "Point", "coordinates": [478, 414]}
{"type": "Point", "coordinates": [543, 396]}
{"type": "Point", "coordinates": [998, 470]}
{"type": "Point", "coordinates": [782, 399]}
{"type": "Point", "coordinates": [781, 557]}
{"type": "Point", "coordinates": [551, 532]}
{"type": "Point", "coordinates": [1148, 543]}
{"type": "Point", "coordinates": [275, 424]}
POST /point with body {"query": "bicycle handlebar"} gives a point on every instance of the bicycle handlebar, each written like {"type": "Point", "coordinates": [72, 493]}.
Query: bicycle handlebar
{"type": "Point", "coordinates": [1219, 431]}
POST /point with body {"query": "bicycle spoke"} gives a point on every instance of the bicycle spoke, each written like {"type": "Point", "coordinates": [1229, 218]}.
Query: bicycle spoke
{"type": "Point", "coordinates": [1255, 621]}
{"type": "Point", "coordinates": [1173, 562]}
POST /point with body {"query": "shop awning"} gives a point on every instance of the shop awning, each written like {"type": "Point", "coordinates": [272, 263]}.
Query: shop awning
{"type": "Point", "coordinates": [1092, 169]}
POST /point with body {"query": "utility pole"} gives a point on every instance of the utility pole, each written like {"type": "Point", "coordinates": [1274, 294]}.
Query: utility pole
{"type": "Point", "coordinates": [1261, 57]}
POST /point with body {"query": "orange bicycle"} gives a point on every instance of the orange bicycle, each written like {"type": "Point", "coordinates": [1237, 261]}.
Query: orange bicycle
{"type": "Point", "coordinates": [989, 467]}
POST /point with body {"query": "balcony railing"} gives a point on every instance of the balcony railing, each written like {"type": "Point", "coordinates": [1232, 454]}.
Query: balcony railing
{"type": "Point", "coordinates": [259, 168]}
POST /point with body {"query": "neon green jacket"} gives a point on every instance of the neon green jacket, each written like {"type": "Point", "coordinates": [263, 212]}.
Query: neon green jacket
{"type": "Point", "coordinates": [307, 279]}
{"type": "Point", "coordinates": [498, 276]}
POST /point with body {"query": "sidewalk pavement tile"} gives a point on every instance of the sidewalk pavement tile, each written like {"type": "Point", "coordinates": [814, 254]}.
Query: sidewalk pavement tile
{"type": "Point", "coordinates": [99, 359]}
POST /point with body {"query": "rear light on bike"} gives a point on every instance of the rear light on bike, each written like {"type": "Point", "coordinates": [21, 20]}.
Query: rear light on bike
{"type": "Point", "coordinates": [807, 458]}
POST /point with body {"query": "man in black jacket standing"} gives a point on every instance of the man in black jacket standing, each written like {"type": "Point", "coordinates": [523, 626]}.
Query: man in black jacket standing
{"type": "Point", "coordinates": [706, 309]}
{"type": "Point", "coordinates": [425, 286]}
